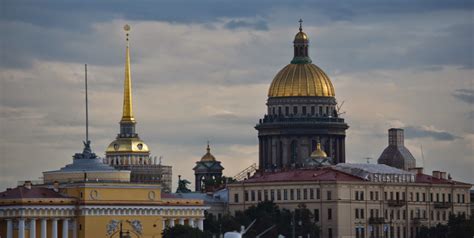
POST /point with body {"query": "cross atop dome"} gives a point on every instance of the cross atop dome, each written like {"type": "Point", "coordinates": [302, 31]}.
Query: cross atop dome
{"type": "Point", "coordinates": [301, 24]}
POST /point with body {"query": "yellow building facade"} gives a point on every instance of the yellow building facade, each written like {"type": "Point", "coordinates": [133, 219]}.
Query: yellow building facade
{"type": "Point", "coordinates": [93, 209]}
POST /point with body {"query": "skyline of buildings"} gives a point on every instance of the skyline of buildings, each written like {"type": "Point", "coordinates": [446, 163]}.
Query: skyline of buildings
{"type": "Point", "coordinates": [201, 81]}
{"type": "Point", "coordinates": [443, 142]}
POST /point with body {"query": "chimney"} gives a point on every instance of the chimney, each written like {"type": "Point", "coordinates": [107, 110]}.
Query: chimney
{"type": "Point", "coordinates": [27, 184]}
{"type": "Point", "coordinates": [416, 170]}
{"type": "Point", "coordinates": [56, 186]}
{"type": "Point", "coordinates": [436, 174]}
{"type": "Point", "coordinates": [442, 175]}
{"type": "Point", "coordinates": [395, 137]}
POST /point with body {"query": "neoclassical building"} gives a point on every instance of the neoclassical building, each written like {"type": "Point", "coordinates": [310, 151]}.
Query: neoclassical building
{"type": "Point", "coordinates": [93, 209]}
{"type": "Point", "coordinates": [302, 111]}
{"type": "Point", "coordinates": [128, 151]}
{"type": "Point", "coordinates": [359, 200]}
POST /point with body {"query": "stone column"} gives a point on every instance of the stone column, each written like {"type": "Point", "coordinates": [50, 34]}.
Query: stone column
{"type": "Point", "coordinates": [172, 222]}
{"type": "Point", "coordinates": [44, 225]}
{"type": "Point", "coordinates": [21, 228]}
{"type": "Point", "coordinates": [54, 228]}
{"type": "Point", "coordinates": [164, 224]}
{"type": "Point", "coordinates": [191, 222]}
{"type": "Point", "coordinates": [32, 228]}
{"type": "Point", "coordinates": [181, 221]}
{"type": "Point", "coordinates": [273, 144]}
{"type": "Point", "coordinates": [201, 224]}
{"type": "Point", "coordinates": [65, 228]}
{"type": "Point", "coordinates": [9, 228]}
{"type": "Point", "coordinates": [74, 228]}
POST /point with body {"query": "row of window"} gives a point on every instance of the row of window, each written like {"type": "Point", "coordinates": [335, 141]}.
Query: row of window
{"type": "Point", "coordinates": [401, 214]}
{"type": "Point", "coordinates": [311, 194]}
{"type": "Point", "coordinates": [392, 214]}
{"type": "Point", "coordinates": [418, 197]}
{"type": "Point", "coordinates": [283, 195]}
{"type": "Point", "coordinates": [323, 111]}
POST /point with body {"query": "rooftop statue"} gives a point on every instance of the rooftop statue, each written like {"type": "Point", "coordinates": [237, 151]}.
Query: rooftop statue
{"type": "Point", "coordinates": [183, 185]}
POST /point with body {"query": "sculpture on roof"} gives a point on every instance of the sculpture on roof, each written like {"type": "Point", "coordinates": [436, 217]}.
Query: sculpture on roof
{"type": "Point", "coordinates": [183, 185]}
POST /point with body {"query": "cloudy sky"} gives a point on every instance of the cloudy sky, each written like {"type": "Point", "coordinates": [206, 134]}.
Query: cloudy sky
{"type": "Point", "coordinates": [201, 71]}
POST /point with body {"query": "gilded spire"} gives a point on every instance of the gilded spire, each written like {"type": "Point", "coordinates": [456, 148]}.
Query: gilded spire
{"type": "Point", "coordinates": [127, 89]}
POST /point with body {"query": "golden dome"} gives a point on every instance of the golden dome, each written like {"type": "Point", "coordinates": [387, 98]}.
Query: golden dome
{"type": "Point", "coordinates": [208, 157]}
{"type": "Point", "coordinates": [127, 145]}
{"type": "Point", "coordinates": [318, 153]}
{"type": "Point", "coordinates": [300, 80]}
{"type": "Point", "coordinates": [301, 36]}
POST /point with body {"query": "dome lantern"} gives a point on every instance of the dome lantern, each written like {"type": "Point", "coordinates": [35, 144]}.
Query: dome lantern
{"type": "Point", "coordinates": [300, 46]}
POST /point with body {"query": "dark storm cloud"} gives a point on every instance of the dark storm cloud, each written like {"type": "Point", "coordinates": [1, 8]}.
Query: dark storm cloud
{"type": "Point", "coordinates": [61, 30]}
{"type": "Point", "coordinates": [413, 132]}
{"type": "Point", "coordinates": [75, 13]}
{"type": "Point", "coordinates": [465, 95]}
{"type": "Point", "coordinates": [395, 46]}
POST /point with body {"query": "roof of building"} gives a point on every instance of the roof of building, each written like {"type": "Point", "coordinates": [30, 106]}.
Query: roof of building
{"type": "Point", "coordinates": [22, 192]}
{"type": "Point", "coordinates": [393, 152]}
{"type": "Point", "coordinates": [424, 178]}
{"type": "Point", "coordinates": [301, 80]}
{"type": "Point", "coordinates": [86, 161]}
{"type": "Point", "coordinates": [348, 172]}
{"type": "Point", "coordinates": [317, 174]}
{"type": "Point", "coordinates": [208, 157]}
{"type": "Point", "coordinates": [370, 168]}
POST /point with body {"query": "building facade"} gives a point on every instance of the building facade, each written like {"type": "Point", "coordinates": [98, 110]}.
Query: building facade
{"type": "Point", "coordinates": [378, 201]}
{"type": "Point", "coordinates": [128, 151]}
{"type": "Point", "coordinates": [93, 209]}
{"type": "Point", "coordinates": [302, 111]}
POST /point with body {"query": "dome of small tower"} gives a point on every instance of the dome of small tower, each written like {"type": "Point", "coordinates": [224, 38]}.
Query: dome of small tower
{"type": "Point", "coordinates": [208, 157]}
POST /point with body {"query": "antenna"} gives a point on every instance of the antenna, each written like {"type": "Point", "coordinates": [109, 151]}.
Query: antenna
{"type": "Point", "coordinates": [422, 155]}
{"type": "Point", "coordinates": [339, 107]}
{"type": "Point", "coordinates": [87, 106]}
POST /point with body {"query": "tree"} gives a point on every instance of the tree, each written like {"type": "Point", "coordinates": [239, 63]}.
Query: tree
{"type": "Point", "coordinates": [458, 226]}
{"type": "Point", "coordinates": [181, 231]}
{"type": "Point", "coordinates": [266, 214]}
{"type": "Point", "coordinates": [224, 224]}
